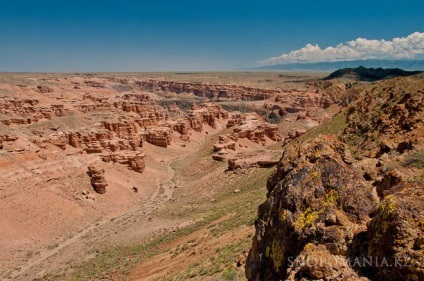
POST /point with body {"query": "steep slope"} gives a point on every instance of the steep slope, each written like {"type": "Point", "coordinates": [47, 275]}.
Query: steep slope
{"type": "Point", "coordinates": [332, 216]}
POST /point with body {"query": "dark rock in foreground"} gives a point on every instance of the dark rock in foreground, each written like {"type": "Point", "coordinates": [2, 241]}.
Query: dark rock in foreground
{"type": "Point", "coordinates": [370, 74]}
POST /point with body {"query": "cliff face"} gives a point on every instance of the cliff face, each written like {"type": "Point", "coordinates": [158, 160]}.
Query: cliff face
{"type": "Point", "coordinates": [332, 216]}
{"type": "Point", "coordinates": [207, 90]}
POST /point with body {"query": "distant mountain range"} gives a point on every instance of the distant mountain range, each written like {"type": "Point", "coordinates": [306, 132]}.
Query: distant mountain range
{"type": "Point", "coordinates": [332, 66]}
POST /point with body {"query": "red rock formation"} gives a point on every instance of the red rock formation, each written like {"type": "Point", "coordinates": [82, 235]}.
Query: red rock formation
{"type": "Point", "coordinates": [181, 126]}
{"type": "Point", "coordinates": [255, 129]}
{"type": "Point", "coordinates": [27, 111]}
{"type": "Point", "coordinates": [236, 119]}
{"type": "Point", "coordinates": [98, 181]}
{"type": "Point", "coordinates": [293, 133]}
{"type": "Point", "coordinates": [226, 142]}
{"type": "Point", "coordinates": [246, 162]}
{"type": "Point", "coordinates": [44, 89]}
{"type": "Point", "coordinates": [125, 130]}
{"type": "Point", "coordinates": [94, 84]}
{"type": "Point", "coordinates": [173, 108]}
{"type": "Point", "coordinates": [209, 113]}
{"type": "Point", "coordinates": [160, 136]}
{"type": "Point", "coordinates": [134, 160]}
{"type": "Point", "coordinates": [233, 92]}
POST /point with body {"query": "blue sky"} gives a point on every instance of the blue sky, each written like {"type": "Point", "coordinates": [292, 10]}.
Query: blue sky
{"type": "Point", "coordinates": [145, 35]}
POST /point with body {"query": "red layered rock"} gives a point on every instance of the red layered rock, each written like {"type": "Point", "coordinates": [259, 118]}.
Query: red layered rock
{"type": "Point", "coordinates": [181, 126]}
{"type": "Point", "coordinates": [160, 136]}
{"type": "Point", "coordinates": [134, 160]}
{"type": "Point", "coordinates": [94, 84]}
{"type": "Point", "coordinates": [236, 119]}
{"type": "Point", "coordinates": [233, 92]}
{"type": "Point", "coordinates": [209, 113]}
{"type": "Point", "coordinates": [28, 111]}
{"type": "Point", "coordinates": [294, 133]}
{"type": "Point", "coordinates": [255, 129]}
{"type": "Point", "coordinates": [227, 141]}
{"type": "Point", "coordinates": [44, 89]}
{"type": "Point", "coordinates": [173, 108]}
{"type": "Point", "coordinates": [97, 178]}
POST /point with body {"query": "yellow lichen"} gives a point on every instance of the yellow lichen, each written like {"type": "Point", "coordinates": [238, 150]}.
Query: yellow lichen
{"type": "Point", "coordinates": [309, 216]}
{"type": "Point", "coordinates": [314, 175]}
{"type": "Point", "coordinates": [388, 206]}
{"type": "Point", "coordinates": [331, 198]}
{"type": "Point", "coordinates": [283, 216]}
{"type": "Point", "coordinates": [277, 254]}
{"type": "Point", "coordinates": [309, 246]}
{"type": "Point", "coordinates": [305, 219]}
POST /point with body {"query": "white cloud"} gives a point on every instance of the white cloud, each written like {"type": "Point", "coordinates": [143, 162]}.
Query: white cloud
{"type": "Point", "coordinates": [409, 47]}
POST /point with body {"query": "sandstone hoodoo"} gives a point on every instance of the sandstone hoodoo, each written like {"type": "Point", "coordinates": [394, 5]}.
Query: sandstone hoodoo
{"type": "Point", "coordinates": [97, 177]}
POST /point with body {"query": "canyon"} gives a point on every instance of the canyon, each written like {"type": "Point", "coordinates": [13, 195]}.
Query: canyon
{"type": "Point", "coordinates": [147, 176]}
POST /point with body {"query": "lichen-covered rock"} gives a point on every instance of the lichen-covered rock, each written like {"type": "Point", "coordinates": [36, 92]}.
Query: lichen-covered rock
{"type": "Point", "coordinates": [315, 262]}
{"type": "Point", "coordinates": [395, 236]}
{"type": "Point", "coordinates": [315, 196]}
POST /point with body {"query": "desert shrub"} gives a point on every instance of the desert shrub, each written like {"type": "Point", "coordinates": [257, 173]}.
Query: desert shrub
{"type": "Point", "coordinates": [415, 159]}
{"type": "Point", "coordinates": [229, 275]}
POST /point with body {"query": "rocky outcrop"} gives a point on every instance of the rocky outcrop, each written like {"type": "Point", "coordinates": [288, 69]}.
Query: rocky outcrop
{"type": "Point", "coordinates": [255, 129]}
{"type": "Point", "coordinates": [173, 108]}
{"type": "Point", "coordinates": [134, 160]}
{"type": "Point", "coordinates": [315, 197]}
{"type": "Point", "coordinates": [225, 144]}
{"type": "Point", "coordinates": [27, 111]}
{"type": "Point", "coordinates": [97, 178]}
{"type": "Point", "coordinates": [94, 84]}
{"type": "Point", "coordinates": [206, 113]}
{"type": "Point", "coordinates": [245, 162]}
{"type": "Point", "coordinates": [44, 89]}
{"type": "Point", "coordinates": [395, 236]}
{"type": "Point", "coordinates": [354, 218]}
{"type": "Point", "coordinates": [298, 101]}
{"type": "Point", "coordinates": [209, 113]}
{"type": "Point", "coordinates": [204, 90]}
{"type": "Point", "coordinates": [369, 74]}
{"type": "Point", "coordinates": [160, 136]}
{"type": "Point", "coordinates": [387, 118]}
{"type": "Point", "coordinates": [292, 134]}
